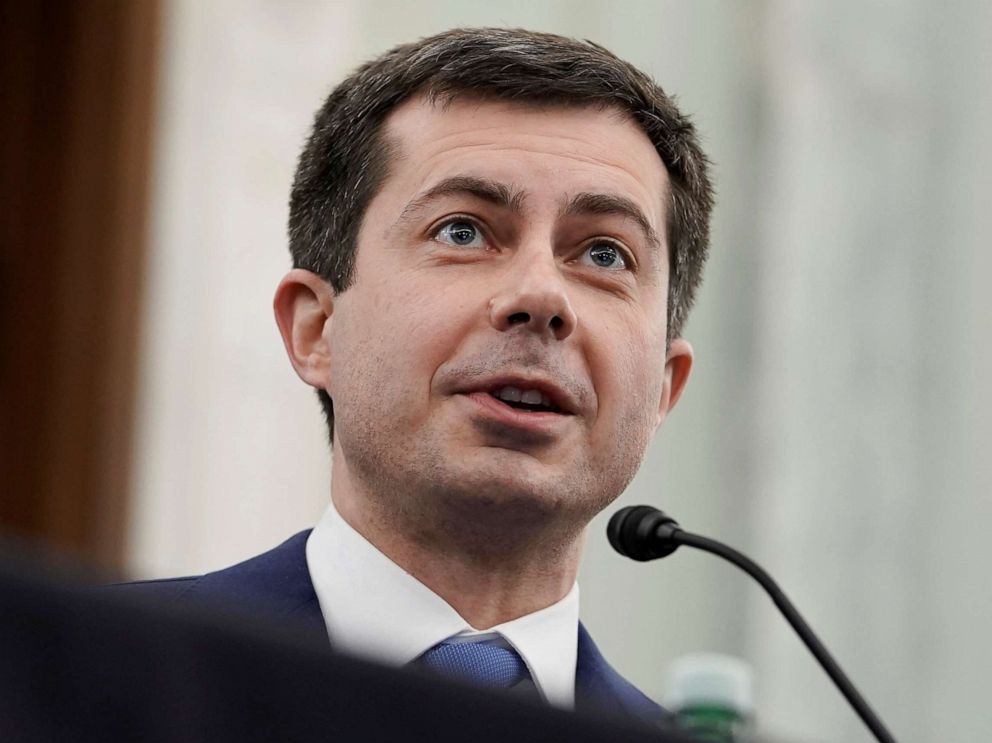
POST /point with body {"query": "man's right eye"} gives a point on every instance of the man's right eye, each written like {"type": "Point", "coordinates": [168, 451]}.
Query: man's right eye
{"type": "Point", "coordinates": [460, 233]}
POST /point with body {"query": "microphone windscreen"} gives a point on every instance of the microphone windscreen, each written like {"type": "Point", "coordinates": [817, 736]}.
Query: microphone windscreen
{"type": "Point", "coordinates": [633, 532]}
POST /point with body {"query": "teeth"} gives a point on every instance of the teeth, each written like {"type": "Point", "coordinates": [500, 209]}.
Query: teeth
{"type": "Point", "coordinates": [532, 397]}
{"type": "Point", "coordinates": [510, 394]}
{"type": "Point", "coordinates": [515, 394]}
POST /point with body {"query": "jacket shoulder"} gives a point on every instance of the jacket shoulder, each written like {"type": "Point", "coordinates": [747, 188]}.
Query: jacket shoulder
{"type": "Point", "coordinates": [166, 589]}
{"type": "Point", "coordinates": [277, 582]}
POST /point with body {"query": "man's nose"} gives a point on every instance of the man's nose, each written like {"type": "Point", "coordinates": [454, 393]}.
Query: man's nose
{"type": "Point", "coordinates": [534, 297]}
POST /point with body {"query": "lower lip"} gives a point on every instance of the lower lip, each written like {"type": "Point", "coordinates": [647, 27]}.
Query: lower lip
{"type": "Point", "coordinates": [494, 410]}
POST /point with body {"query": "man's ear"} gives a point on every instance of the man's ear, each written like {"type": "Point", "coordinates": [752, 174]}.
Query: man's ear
{"type": "Point", "coordinates": [678, 364]}
{"type": "Point", "coordinates": [303, 306]}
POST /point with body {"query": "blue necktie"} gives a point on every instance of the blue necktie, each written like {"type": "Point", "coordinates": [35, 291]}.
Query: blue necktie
{"type": "Point", "coordinates": [478, 663]}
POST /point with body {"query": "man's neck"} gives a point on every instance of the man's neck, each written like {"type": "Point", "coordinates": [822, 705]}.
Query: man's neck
{"type": "Point", "coordinates": [489, 573]}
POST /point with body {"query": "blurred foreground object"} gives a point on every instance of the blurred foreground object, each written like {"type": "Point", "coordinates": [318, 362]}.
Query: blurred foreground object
{"type": "Point", "coordinates": [85, 665]}
{"type": "Point", "coordinates": [710, 696]}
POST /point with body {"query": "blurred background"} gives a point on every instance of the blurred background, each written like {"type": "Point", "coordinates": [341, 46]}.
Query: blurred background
{"type": "Point", "coordinates": [837, 427]}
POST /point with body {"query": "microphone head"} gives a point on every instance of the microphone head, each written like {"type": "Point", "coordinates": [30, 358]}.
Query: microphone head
{"type": "Point", "coordinates": [633, 532]}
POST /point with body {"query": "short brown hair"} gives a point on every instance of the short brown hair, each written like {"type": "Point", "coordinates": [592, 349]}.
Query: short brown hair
{"type": "Point", "coordinates": [346, 157]}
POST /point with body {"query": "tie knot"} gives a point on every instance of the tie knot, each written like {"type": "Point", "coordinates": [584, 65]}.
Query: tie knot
{"type": "Point", "coordinates": [480, 663]}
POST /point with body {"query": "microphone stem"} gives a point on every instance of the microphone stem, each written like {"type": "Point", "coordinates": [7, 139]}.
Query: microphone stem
{"type": "Point", "coordinates": [804, 631]}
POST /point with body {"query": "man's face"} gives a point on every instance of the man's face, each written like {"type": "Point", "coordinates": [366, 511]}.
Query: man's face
{"type": "Point", "coordinates": [503, 341]}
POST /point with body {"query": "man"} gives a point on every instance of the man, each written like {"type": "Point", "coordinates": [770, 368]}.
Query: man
{"type": "Point", "coordinates": [496, 237]}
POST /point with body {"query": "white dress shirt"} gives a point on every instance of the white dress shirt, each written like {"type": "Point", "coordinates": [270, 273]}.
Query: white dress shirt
{"type": "Point", "coordinates": [376, 610]}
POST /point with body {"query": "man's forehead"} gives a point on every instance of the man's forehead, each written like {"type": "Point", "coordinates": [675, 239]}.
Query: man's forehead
{"type": "Point", "coordinates": [434, 141]}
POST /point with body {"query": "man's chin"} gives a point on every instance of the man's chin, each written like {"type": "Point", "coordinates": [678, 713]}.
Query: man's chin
{"type": "Point", "coordinates": [496, 478]}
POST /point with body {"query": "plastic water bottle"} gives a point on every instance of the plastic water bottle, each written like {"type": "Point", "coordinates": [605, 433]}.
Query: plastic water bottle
{"type": "Point", "coordinates": [710, 697]}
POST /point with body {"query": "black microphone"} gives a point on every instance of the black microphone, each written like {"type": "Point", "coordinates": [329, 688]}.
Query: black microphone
{"type": "Point", "coordinates": [644, 533]}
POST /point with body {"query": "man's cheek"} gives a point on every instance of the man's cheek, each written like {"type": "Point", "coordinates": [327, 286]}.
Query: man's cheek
{"type": "Point", "coordinates": [636, 395]}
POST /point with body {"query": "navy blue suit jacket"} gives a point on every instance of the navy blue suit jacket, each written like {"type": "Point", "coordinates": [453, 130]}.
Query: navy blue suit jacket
{"type": "Point", "coordinates": [278, 583]}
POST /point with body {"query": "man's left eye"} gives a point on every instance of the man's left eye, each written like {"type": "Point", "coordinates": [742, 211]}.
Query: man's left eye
{"type": "Point", "coordinates": [605, 255]}
{"type": "Point", "coordinates": [460, 233]}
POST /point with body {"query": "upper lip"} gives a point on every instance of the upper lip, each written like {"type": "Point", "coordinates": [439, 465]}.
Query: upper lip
{"type": "Point", "coordinates": [561, 398]}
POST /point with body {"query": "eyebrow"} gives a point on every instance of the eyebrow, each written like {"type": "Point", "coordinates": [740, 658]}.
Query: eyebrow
{"type": "Point", "coordinates": [611, 204]}
{"type": "Point", "coordinates": [506, 197]}
{"type": "Point", "coordinates": [493, 192]}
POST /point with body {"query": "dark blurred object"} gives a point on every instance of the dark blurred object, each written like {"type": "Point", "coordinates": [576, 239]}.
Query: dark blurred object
{"type": "Point", "coordinates": [90, 665]}
{"type": "Point", "coordinates": [75, 149]}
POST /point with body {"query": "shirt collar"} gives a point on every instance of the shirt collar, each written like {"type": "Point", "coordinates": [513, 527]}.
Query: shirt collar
{"type": "Point", "coordinates": [375, 609]}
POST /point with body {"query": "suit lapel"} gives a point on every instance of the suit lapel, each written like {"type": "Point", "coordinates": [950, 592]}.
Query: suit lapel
{"type": "Point", "coordinates": [600, 688]}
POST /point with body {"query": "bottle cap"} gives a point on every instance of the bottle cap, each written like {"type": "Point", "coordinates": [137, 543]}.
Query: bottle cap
{"type": "Point", "coordinates": [710, 679]}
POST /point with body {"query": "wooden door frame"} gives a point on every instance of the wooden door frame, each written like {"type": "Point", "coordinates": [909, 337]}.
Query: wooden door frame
{"type": "Point", "coordinates": [75, 161]}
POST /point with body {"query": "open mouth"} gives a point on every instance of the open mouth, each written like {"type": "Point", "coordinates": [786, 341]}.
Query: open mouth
{"type": "Point", "coordinates": [532, 401]}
